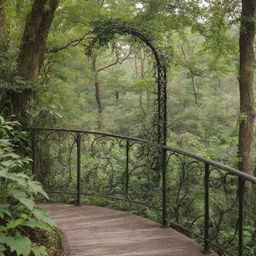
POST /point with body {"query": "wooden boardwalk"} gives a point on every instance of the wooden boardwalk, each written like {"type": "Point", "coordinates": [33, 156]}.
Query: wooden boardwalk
{"type": "Point", "coordinates": [98, 231]}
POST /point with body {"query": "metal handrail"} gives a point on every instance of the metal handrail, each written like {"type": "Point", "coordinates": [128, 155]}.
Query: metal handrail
{"type": "Point", "coordinates": [163, 149]}
{"type": "Point", "coordinates": [154, 144]}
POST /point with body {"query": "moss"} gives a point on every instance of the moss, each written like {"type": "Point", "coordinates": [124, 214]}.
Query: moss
{"type": "Point", "coordinates": [54, 245]}
{"type": "Point", "coordinates": [51, 240]}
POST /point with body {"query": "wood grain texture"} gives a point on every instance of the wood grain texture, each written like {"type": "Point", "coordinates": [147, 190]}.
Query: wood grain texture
{"type": "Point", "coordinates": [98, 231]}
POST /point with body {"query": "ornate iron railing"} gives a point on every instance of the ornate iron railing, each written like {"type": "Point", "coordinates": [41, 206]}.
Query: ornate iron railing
{"type": "Point", "coordinates": [206, 200]}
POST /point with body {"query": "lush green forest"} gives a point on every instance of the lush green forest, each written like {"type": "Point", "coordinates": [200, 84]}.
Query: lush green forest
{"type": "Point", "coordinates": [55, 74]}
{"type": "Point", "coordinates": [201, 44]}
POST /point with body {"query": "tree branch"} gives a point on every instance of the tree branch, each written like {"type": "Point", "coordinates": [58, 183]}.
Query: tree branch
{"type": "Point", "coordinates": [102, 3]}
{"type": "Point", "coordinates": [118, 61]}
{"type": "Point", "coordinates": [72, 43]}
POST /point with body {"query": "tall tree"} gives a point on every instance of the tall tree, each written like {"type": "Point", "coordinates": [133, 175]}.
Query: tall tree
{"type": "Point", "coordinates": [247, 101]}
{"type": "Point", "coordinates": [3, 28]}
{"type": "Point", "coordinates": [3, 40]}
{"type": "Point", "coordinates": [32, 49]}
{"type": "Point", "coordinates": [97, 70]}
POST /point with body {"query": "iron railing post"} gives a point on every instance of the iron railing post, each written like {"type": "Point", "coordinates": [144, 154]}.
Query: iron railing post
{"type": "Point", "coordinates": [127, 168]}
{"type": "Point", "coordinates": [78, 145]}
{"type": "Point", "coordinates": [241, 187]}
{"type": "Point", "coordinates": [206, 208]}
{"type": "Point", "coordinates": [164, 191]}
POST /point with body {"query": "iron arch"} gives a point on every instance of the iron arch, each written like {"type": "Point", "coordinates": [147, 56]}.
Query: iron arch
{"type": "Point", "coordinates": [104, 31]}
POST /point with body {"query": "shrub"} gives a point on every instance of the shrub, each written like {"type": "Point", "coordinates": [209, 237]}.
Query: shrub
{"type": "Point", "coordinates": [19, 216]}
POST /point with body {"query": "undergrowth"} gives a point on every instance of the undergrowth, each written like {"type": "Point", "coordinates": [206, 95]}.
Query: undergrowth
{"type": "Point", "coordinates": [25, 229]}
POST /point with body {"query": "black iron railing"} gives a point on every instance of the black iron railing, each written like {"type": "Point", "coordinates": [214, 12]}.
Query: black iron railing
{"type": "Point", "coordinates": [206, 200]}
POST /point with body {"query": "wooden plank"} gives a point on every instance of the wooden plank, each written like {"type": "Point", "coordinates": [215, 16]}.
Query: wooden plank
{"type": "Point", "coordinates": [98, 231]}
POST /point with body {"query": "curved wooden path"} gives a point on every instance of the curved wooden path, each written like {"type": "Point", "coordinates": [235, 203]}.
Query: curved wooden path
{"type": "Point", "coordinates": [98, 231]}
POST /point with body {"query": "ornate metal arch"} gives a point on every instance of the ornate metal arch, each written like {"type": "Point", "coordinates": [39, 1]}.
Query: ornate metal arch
{"type": "Point", "coordinates": [105, 30]}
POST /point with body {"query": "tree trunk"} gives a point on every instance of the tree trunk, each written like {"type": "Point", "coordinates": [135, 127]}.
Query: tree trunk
{"type": "Point", "coordinates": [194, 87]}
{"type": "Point", "coordinates": [4, 60]}
{"type": "Point", "coordinates": [117, 95]}
{"type": "Point", "coordinates": [141, 104]}
{"type": "Point", "coordinates": [4, 37]}
{"type": "Point", "coordinates": [32, 49]}
{"type": "Point", "coordinates": [93, 59]}
{"type": "Point", "coordinates": [247, 102]}
{"type": "Point", "coordinates": [97, 95]}
{"type": "Point", "coordinates": [98, 100]}
{"type": "Point", "coordinates": [18, 7]}
{"type": "Point", "coordinates": [3, 29]}
{"type": "Point", "coordinates": [142, 77]}
{"type": "Point", "coordinates": [192, 76]}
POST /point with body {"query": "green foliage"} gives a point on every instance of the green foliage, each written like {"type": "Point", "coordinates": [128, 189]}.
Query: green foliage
{"type": "Point", "coordinates": [18, 212]}
{"type": "Point", "coordinates": [200, 42]}
{"type": "Point", "coordinates": [213, 63]}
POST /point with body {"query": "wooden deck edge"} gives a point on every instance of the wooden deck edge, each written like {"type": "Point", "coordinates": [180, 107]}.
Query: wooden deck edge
{"type": "Point", "coordinates": [64, 243]}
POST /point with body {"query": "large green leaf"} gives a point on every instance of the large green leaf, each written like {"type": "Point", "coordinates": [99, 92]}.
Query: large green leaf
{"type": "Point", "coordinates": [19, 178]}
{"type": "Point", "coordinates": [36, 187]}
{"type": "Point", "coordinates": [19, 244]}
{"type": "Point", "coordinates": [4, 210]}
{"type": "Point", "coordinates": [23, 198]}
{"type": "Point", "coordinates": [2, 249]}
{"type": "Point", "coordinates": [39, 250]}
{"type": "Point", "coordinates": [1, 120]}
{"type": "Point", "coordinates": [34, 223]}
{"type": "Point", "coordinates": [43, 216]}
{"type": "Point", "coordinates": [13, 223]}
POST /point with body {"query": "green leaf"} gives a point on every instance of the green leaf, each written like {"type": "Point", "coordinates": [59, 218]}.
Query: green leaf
{"type": "Point", "coordinates": [14, 223]}
{"type": "Point", "coordinates": [1, 120]}
{"type": "Point", "coordinates": [19, 244]}
{"type": "Point", "coordinates": [43, 216]}
{"type": "Point", "coordinates": [12, 155]}
{"type": "Point", "coordinates": [16, 177]}
{"type": "Point", "coordinates": [36, 187]}
{"type": "Point", "coordinates": [28, 202]}
{"type": "Point", "coordinates": [22, 245]}
{"type": "Point", "coordinates": [8, 163]}
{"type": "Point", "coordinates": [34, 223]}
{"type": "Point", "coordinates": [23, 198]}
{"type": "Point", "coordinates": [4, 210]}
{"type": "Point", "coordinates": [2, 249]}
{"type": "Point", "coordinates": [39, 250]}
